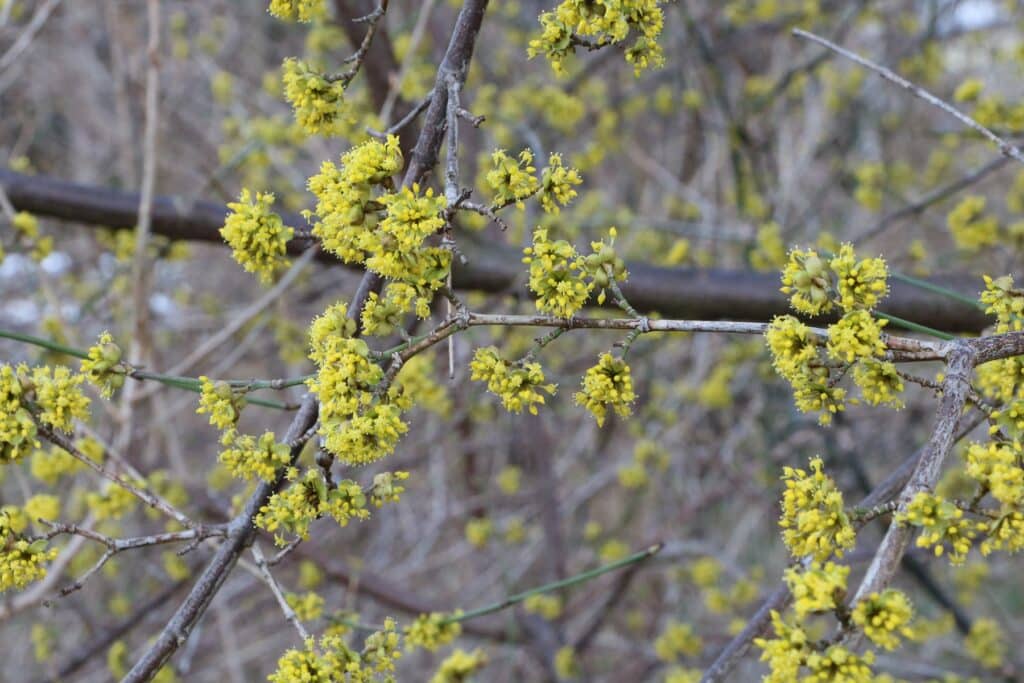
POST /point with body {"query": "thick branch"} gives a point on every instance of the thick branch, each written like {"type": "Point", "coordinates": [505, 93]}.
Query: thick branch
{"type": "Point", "coordinates": [676, 292]}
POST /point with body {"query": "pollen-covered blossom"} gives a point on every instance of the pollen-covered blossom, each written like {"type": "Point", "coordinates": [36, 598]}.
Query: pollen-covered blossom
{"type": "Point", "coordinates": [412, 216]}
{"type": "Point", "coordinates": [58, 394]}
{"type": "Point", "coordinates": [879, 382]}
{"type": "Point", "coordinates": [257, 236]}
{"type": "Point", "coordinates": [1004, 302]}
{"type": "Point", "coordinates": [806, 278]}
{"type": "Point", "coordinates": [884, 617]}
{"type": "Point", "coordinates": [556, 275]}
{"type": "Point", "coordinates": [512, 181]}
{"type": "Point", "coordinates": [318, 102]}
{"type": "Point", "coordinates": [248, 457]}
{"type": "Point", "coordinates": [330, 325]}
{"type": "Point", "coordinates": [814, 521]}
{"type": "Point", "coordinates": [941, 522]}
{"type": "Point", "coordinates": [814, 392]}
{"type": "Point", "coordinates": [793, 346]}
{"type": "Point", "coordinates": [609, 383]}
{"type": "Point", "coordinates": [819, 588]}
{"type": "Point", "coordinates": [431, 631]}
{"type": "Point", "coordinates": [17, 428]}
{"type": "Point", "coordinates": [857, 335]}
{"type": "Point", "coordinates": [103, 367]}
{"type": "Point", "coordinates": [516, 383]}
{"type": "Point", "coordinates": [459, 666]}
{"type": "Point", "coordinates": [221, 402]}
{"type": "Point", "coordinates": [556, 184]}
{"type": "Point", "coordinates": [860, 283]}
{"type": "Point", "coordinates": [302, 10]}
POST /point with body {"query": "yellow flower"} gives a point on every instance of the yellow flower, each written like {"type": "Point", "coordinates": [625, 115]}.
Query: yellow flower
{"type": "Point", "coordinates": [556, 276]}
{"type": "Point", "coordinates": [860, 284]}
{"type": "Point", "coordinates": [516, 384]}
{"type": "Point", "coordinates": [806, 278]}
{"type": "Point", "coordinates": [257, 236]}
{"type": "Point", "coordinates": [431, 631]}
{"type": "Point", "coordinates": [609, 383]}
{"type": "Point", "coordinates": [986, 643]}
{"type": "Point", "coordinates": [884, 615]}
{"type": "Point", "coordinates": [813, 520]}
{"type": "Point", "coordinates": [941, 523]}
{"type": "Point", "coordinates": [302, 10]}
{"type": "Point", "coordinates": [677, 640]}
{"type": "Point", "coordinates": [819, 588]}
{"type": "Point", "coordinates": [103, 367]}
{"type": "Point", "coordinates": [318, 102]}
{"type": "Point", "coordinates": [856, 336]}
{"type": "Point", "coordinates": [459, 666]}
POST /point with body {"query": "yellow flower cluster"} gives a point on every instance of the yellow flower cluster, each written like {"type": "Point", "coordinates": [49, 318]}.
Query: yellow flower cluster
{"type": "Point", "coordinates": [996, 466]}
{"type": "Point", "coordinates": [431, 631]}
{"type": "Point", "coordinates": [813, 519]}
{"type": "Point", "coordinates": [970, 227]}
{"type": "Point", "coordinates": [17, 428]}
{"type": "Point", "coordinates": [609, 383]}
{"type": "Point", "coordinates": [103, 367]}
{"type": "Point", "coordinates": [819, 588]}
{"type": "Point", "coordinates": [459, 666]}
{"type": "Point", "coordinates": [478, 531]}
{"type": "Point", "coordinates": [247, 457]}
{"type": "Point", "coordinates": [50, 465]}
{"type": "Point", "coordinates": [856, 336]}
{"type": "Point", "coordinates": [575, 21]}
{"type": "Point", "coordinates": [331, 660]}
{"type": "Point", "coordinates": [556, 275]}
{"type": "Point", "coordinates": [1004, 533]}
{"type": "Point", "coordinates": [26, 231]}
{"type": "Point", "coordinates": [1005, 302]}
{"type": "Point", "coordinates": [941, 522]}
{"type": "Point", "coordinates": [346, 204]}
{"type": "Point", "coordinates": [884, 617]}
{"type": "Point", "coordinates": [309, 498]}
{"type": "Point", "coordinates": [308, 606]}
{"type": "Point", "coordinates": [879, 382]}
{"type": "Point", "coordinates": [677, 640]}
{"type": "Point", "coordinates": [383, 230]}
{"type": "Point", "coordinates": [986, 643]}
{"type": "Point", "coordinates": [22, 562]}
{"type": "Point", "coordinates": [547, 606]}
{"type": "Point", "coordinates": [516, 383]}
{"type": "Point", "coordinates": [358, 426]}
{"type": "Point", "coordinates": [318, 101]}
{"type": "Point", "coordinates": [221, 402]}
{"type": "Point", "coordinates": [512, 181]}
{"type": "Point", "coordinates": [807, 279]}
{"type": "Point", "coordinates": [604, 265]}
{"type": "Point", "coordinates": [786, 652]}
{"type": "Point", "coordinates": [302, 10]}
{"type": "Point", "coordinates": [114, 502]}
{"type": "Point", "coordinates": [55, 392]}
{"type": "Point", "coordinates": [816, 286]}
{"type": "Point", "coordinates": [839, 664]}
{"type": "Point", "coordinates": [257, 236]}
{"type": "Point", "coordinates": [860, 284]}
{"type": "Point", "coordinates": [59, 396]}
{"type": "Point", "coordinates": [556, 184]}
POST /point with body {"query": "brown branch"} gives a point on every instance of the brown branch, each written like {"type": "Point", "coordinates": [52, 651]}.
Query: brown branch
{"type": "Point", "coordinates": [713, 293]}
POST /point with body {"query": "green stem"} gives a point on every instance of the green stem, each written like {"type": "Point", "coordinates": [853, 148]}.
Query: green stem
{"type": "Point", "coordinates": [915, 327]}
{"type": "Point", "coordinates": [556, 585]}
{"type": "Point", "coordinates": [936, 289]}
{"type": "Point", "coordinates": [178, 382]}
{"type": "Point", "coordinates": [44, 343]}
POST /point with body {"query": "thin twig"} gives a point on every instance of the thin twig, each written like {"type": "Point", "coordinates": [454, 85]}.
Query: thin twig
{"type": "Point", "coordinates": [1004, 146]}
